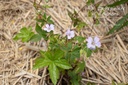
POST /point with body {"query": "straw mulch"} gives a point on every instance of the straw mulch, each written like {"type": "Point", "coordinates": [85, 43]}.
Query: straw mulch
{"type": "Point", "coordinates": [109, 64]}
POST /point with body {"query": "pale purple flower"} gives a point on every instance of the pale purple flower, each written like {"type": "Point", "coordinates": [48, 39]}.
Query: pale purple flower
{"type": "Point", "coordinates": [70, 34]}
{"type": "Point", "coordinates": [92, 43]}
{"type": "Point", "coordinates": [49, 27]}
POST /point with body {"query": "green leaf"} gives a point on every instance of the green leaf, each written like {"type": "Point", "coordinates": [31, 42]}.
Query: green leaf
{"type": "Point", "coordinates": [125, 24]}
{"type": "Point", "coordinates": [49, 18]}
{"type": "Point", "coordinates": [113, 83]}
{"type": "Point", "coordinates": [25, 34]}
{"type": "Point", "coordinates": [53, 44]}
{"type": "Point", "coordinates": [80, 39]}
{"type": "Point", "coordinates": [90, 2]}
{"type": "Point", "coordinates": [54, 73]}
{"type": "Point", "coordinates": [67, 48]}
{"type": "Point", "coordinates": [35, 38]}
{"type": "Point", "coordinates": [89, 13]}
{"type": "Point", "coordinates": [97, 22]}
{"type": "Point", "coordinates": [49, 21]}
{"type": "Point", "coordinates": [74, 18]}
{"type": "Point", "coordinates": [117, 3]}
{"type": "Point", "coordinates": [41, 62]}
{"type": "Point", "coordinates": [58, 54]}
{"type": "Point", "coordinates": [88, 51]}
{"type": "Point", "coordinates": [47, 54]}
{"type": "Point", "coordinates": [53, 54]}
{"type": "Point", "coordinates": [42, 21]}
{"type": "Point", "coordinates": [44, 16]}
{"type": "Point", "coordinates": [73, 54]}
{"type": "Point", "coordinates": [74, 78]}
{"type": "Point", "coordinates": [81, 25]}
{"type": "Point", "coordinates": [119, 24]}
{"type": "Point", "coordinates": [38, 29]}
{"type": "Point", "coordinates": [62, 63]}
{"type": "Point", "coordinates": [41, 32]}
{"type": "Point", "coordinates": [97, 5]}
{"type": "Point", "coordinates": [80, 67]}
{"type": "Point", "coordinates": [46, 6]}
{"type": "Point", "coordinates": [42, 24]}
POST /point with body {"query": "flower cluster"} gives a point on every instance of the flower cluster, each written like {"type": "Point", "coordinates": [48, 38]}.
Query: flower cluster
{"type": "Point", "coordinates": [92, 43]}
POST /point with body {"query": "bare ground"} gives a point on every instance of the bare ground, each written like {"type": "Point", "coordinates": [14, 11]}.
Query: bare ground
{"type": "Point", "coordinates": [17, 58]}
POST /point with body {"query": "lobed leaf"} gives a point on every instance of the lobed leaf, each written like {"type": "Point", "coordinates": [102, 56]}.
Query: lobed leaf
{"type": "Point", "coordinates": [80, 67]}
{"type": "Point", "coordinates": [62, 63]}
{"type": "Point", "coordinates": [75, 78]}
{"type": "Point", "coordinates": [54, 73]}
{"type": "Point", "coordinates": [58, 54]}
{"type": "Point", "coordinates": [35, 38]}
{"type": "Point", "coordinates": [41, 32]}
{"type": "Point", "coordinates": [80, 39]}
{"type": "Point", "coordinates": [73, 54]}
{"type": "Point", "coordinates": [25, 34]}
{"type": "Point", "coordinates": [41, 62]}
{"type": "Point", "coordinates": [81, 25]}
{"type": "Point", "coordinates": [88, 51]}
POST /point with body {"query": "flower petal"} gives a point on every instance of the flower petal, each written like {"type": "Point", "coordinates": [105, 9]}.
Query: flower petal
{"type": "Point", "coordinates": [47, 25]}
{"type": "Point", "coordinates": [96, 39]}
{"type": "Point", "coordinates": [89, 40]}
{"type": "Point", "coordinates": [45, 29]}
{"type": "Point", "coordinates": [68, 32]}
{"type": "Point", "coordinates": [93, 47]}
{"type": "Point", "coordinates": [98, 44]}
{"type": "Point", "coordinates": [69, 37]}
{"type": "Point", "coordinates": [51, 26]}
{"type": "Point", "coordinates": [48, 30]}
{"type": "Point", "coordinates": [72, 34]}
{"type": "Point", "coordinates": [89, 45]}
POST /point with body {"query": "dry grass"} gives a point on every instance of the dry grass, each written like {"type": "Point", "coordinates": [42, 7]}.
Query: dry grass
{"type": "Point", "coordinates": [17, 58]}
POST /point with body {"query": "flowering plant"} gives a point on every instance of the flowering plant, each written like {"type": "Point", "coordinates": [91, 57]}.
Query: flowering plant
{"type": "Point", "coordinates": [63, 53]}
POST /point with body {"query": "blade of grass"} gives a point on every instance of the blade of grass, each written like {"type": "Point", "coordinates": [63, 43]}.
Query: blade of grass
{"type": "Point", "coordinates": [117, 3]}
{"type": "Point", "coordinates": [120, 24]}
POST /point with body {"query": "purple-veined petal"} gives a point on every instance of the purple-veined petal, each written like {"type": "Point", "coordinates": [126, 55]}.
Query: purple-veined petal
{"type": "Point", "coordinates": [92, 43]}
{"type": "Point", "coordinates": [72, 34]}
{"type": "Point", "coordinates": [89, 40]}
{"type": "Point", "coordinates": [98, 44]}
{"type": "Point", "coordinates": [68, 32]}
{"type": "Point", "coordinates": [96, 39]}
{"type": "Point", "coordinates": [47, 25]}
{"type": "Point", "coordinates": [51, 26]}
{"type": "Point", "coordinates": [93, 47]}
{"type": "Point", "coordinates": [89, 45]}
